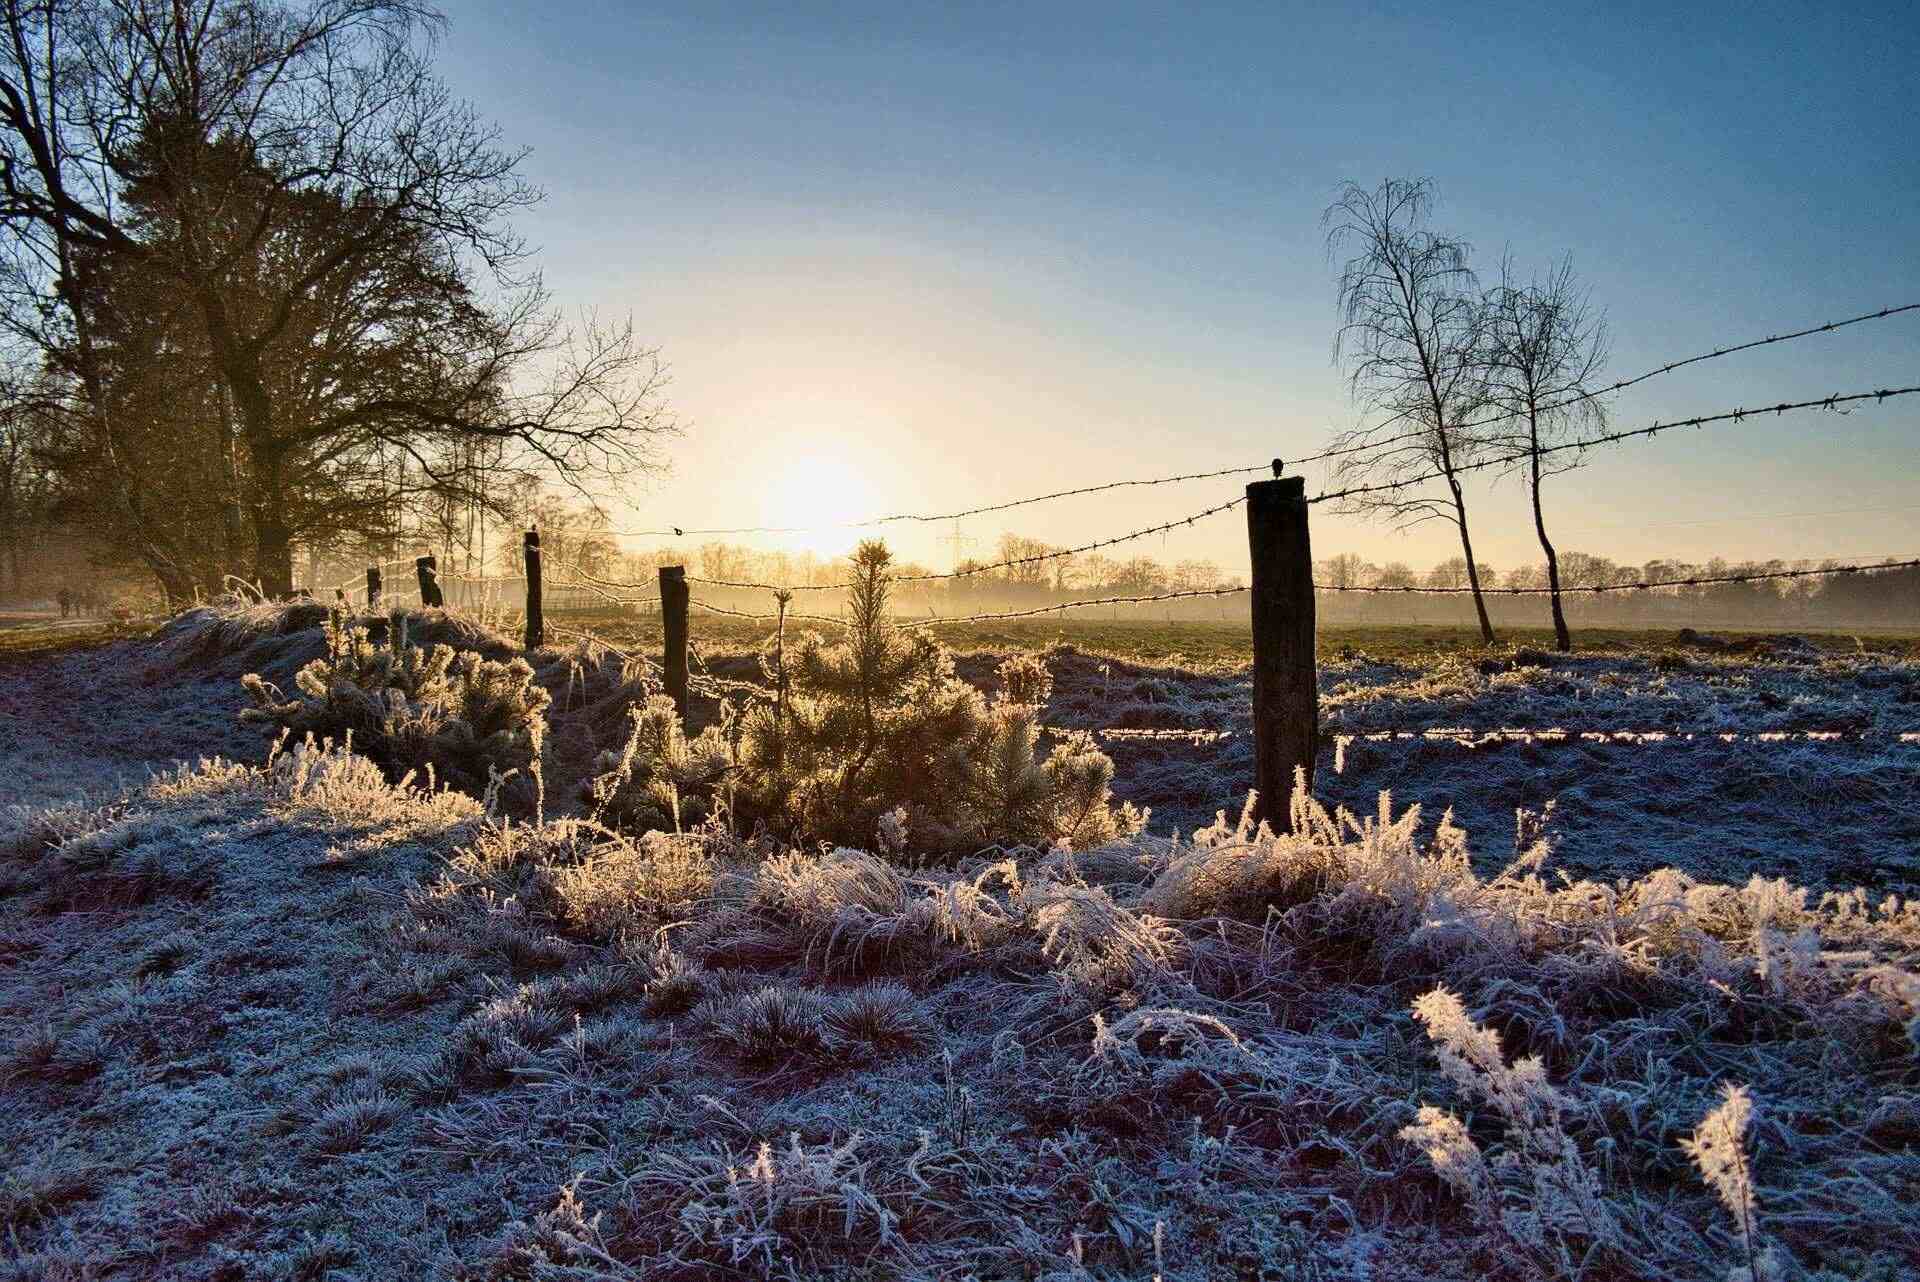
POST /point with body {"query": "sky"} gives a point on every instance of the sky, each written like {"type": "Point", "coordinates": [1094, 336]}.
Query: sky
{"type": "Point", "coordinates": [917, 257]}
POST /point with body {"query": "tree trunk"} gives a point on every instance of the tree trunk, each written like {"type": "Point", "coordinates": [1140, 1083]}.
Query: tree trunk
{"type": "Point", "coordinates": [272, 533]}
{"type": "Point", "coordinates": [1562, 639]}
{"type": "Point", "coordinates": [272, 552]}
{"type": "Point", "coordinates": [267, 504]}
{"type": "Point", "coordinates": [1473, 570]}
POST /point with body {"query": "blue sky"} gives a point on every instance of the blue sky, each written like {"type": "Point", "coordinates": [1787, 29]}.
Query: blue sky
{"type": "Point", "coordinates": [911, 257]}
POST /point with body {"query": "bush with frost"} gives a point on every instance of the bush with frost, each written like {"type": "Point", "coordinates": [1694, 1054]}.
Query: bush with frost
{"type": "Point", "coordinates": [660, 778]}
{"type": "Point", "coordinates": [870, 738]}
{"type": "Point", "coordinates": [450, 716]}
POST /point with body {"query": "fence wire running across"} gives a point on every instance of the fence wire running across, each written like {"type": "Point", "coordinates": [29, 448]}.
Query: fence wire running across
{"type": "Point", "coordinates": [1638, 585]}
{"type": "Point", "coordinates": [1472, 738]}
{"type": "Point", "coordinates": [1832, 402]}
{"type": "Point", "coordinates": [1327, 452]}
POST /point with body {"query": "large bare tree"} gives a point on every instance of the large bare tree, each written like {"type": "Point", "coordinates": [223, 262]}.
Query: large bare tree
{"type": "Point", "coordinates": [336, 226]}
{"type": "Point", "coordinates": [1409, 337]}
{"type": "Point", "coordinates": [1544, 348]}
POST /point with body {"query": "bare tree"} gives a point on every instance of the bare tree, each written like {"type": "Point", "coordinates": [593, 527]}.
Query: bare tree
{"type": "Point", "coordinates": [291, 176]}
{"type": "Point", "coordinates": [1409, 337]}
{"type": "Point", "coordinates": [1544, 348]}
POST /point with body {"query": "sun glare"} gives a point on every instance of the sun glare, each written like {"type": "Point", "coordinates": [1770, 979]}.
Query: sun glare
{"type": "Point", "coordinates": [823, 484]}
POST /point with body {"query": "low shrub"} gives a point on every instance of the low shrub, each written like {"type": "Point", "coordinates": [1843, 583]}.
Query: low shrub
{"type": "Point", "coordinates": [453, 716]}
{"type": "Point", "coordinates": [660, 778]}
{"type": "Point", "coordinates": [872, 739]}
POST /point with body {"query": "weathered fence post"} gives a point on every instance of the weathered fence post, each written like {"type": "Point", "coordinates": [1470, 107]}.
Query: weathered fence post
{"type": "Point", "coordinates": [536, 625]}
{"type": "Point", "coordinates": [428, 570]}
{"type": "Point", "coordinates": [674, 595]}
{"type": "Point", "coordinates": [1286, 703]}
{"type": "Point", "coordinates": [373, 587]}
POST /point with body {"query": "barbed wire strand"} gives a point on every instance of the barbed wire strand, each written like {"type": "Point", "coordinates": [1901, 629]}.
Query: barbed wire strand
{"type": "Point", "coordinates": [1329, 452]}
{"type": "Point", "coordinates": [1735, 415]}
{"type": "Point", "coordinates": [971, 571]}
{"type": "Point", "coordinates": [1718, 352]}
{"type": "Point", "coordinates": [1642, 585]}
{"type": "Point", "coordinates": [710, 608]}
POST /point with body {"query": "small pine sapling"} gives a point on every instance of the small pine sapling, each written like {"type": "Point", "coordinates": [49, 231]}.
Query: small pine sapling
{"type": "Point", "coordinates": [660, 779]}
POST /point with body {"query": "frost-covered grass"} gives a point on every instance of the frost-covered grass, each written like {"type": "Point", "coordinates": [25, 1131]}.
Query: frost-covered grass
{"type": "Point", "coordinates": [276, 1021]}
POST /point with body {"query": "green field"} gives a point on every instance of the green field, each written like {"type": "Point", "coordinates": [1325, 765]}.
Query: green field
{"type": "Point", "coordinates": [1200, 644]}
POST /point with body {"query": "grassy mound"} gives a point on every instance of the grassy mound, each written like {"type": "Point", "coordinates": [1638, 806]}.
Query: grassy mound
{"type": "Point", "coordinates": [283, 635]}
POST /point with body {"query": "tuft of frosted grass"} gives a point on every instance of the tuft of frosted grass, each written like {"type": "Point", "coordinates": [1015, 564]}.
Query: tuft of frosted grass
{"type": "Point", "coordinates": [347, 1124]}
{"type": "Point", "coordinates": [768, 1026]}
{"type": "Point", "coordinates": [1718, 1148]}
{"type": "Point", "coordinates": [1553, 1203]}
{"type": "Point", "coordinates": [1094, 942]}
{"type": "Point", "coordinates": [751, 1212]}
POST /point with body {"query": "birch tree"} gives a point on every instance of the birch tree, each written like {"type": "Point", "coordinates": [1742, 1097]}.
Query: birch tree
{"type": "Point", "coordinates": [1409, 338]}
{"type": "Point", "coordinates": [1545, 347]}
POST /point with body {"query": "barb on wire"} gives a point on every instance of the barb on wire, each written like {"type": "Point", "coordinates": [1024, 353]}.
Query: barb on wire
{"type": "Point", "coordinates": [1642, 585]}
{"type": "Point", "coordinates": [1734, 415]}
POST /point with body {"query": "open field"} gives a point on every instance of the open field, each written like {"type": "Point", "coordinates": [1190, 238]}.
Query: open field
{"type": "Point", "coordinates": [1203, 644]}
{"type": "Point", "coordinates": [24, 635]}
{"type": "Point", "coordinates": [294, 1021]}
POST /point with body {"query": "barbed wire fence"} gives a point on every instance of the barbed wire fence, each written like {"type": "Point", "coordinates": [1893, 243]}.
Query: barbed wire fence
{"type": "Point", "coordinates": [1282, 588]}
{"type": "Point", "coordinates": [598, 589]}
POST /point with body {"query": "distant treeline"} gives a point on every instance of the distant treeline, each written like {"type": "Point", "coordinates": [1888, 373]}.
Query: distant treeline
{"type": "Point", "coordinates": [1889, 599]}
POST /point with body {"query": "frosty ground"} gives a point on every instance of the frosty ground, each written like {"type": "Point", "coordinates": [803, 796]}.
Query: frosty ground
{"type": "Point", "coordinates": [295, 1021]}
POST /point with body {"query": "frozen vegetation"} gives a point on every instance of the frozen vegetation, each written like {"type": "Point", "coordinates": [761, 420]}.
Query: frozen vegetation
{"type": "Point", "coordinates": [314, 1018]}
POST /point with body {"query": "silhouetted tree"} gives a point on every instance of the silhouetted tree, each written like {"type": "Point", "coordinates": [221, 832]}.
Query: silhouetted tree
{"type": "Point", "coordinates": [1544, 348]}
{"type": "Point", "coordinates": [1409, 335]}
{"type": "Point", "coordinates": [334, 224]}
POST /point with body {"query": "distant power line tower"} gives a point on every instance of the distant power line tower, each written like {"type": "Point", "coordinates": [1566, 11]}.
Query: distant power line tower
{"type": "Point", "coordinates": [960, 543]}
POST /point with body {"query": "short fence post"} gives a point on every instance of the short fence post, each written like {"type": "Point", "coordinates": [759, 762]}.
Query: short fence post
{"type": "Point", "coordinates": [536, 625]}
{"type": "Point", "coordinates": [373, 587]}
{"type": "Point", "coordinates": [1286, 702]}
{"type": "Point", "coordinates": [428, 570]}
{"type": "Point", "coordinates": [674, 595]}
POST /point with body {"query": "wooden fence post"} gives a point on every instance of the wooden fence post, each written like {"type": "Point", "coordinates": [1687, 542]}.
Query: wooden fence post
{"type": "Point", "coordinates": [674, 595]}
{"type": "Point", "coordinates": [428, 570]}
{"type": "Point", "coordinates": [536, 625]}
{"type": "Point", "coordinates": [373, 588]}
{"type": "Point", "coordinates": [1286, 697]}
